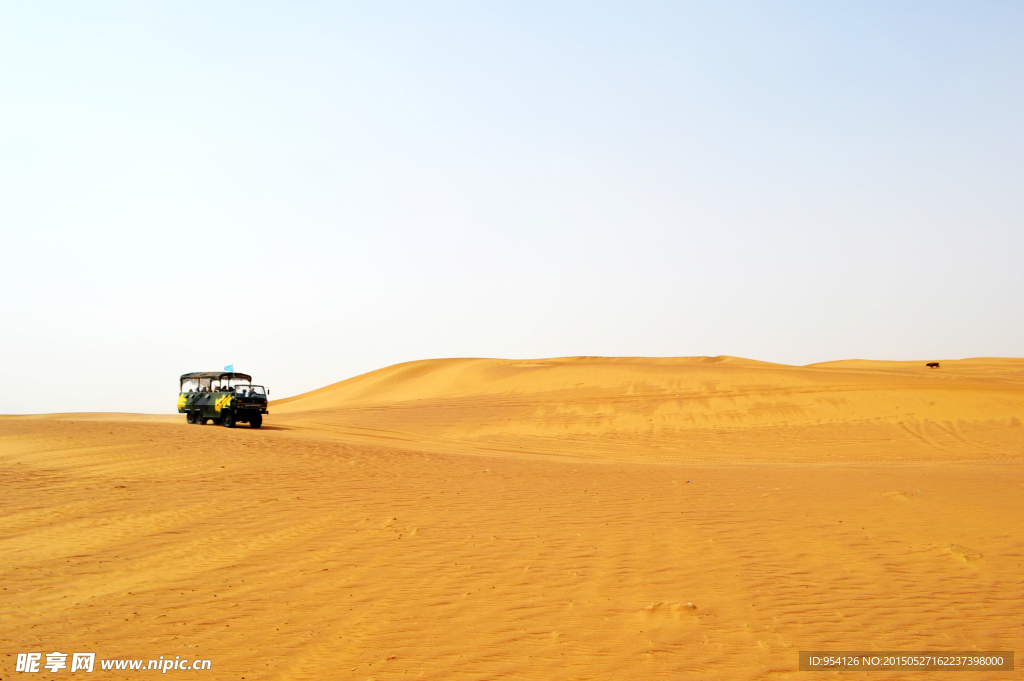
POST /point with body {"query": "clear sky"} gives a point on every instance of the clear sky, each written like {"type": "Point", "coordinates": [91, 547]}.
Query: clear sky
{"type": "Point", "coordinates": [314, 190]}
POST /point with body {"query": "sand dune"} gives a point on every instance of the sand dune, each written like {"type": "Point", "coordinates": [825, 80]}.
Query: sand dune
{"type": "Point", "coordinates": [576, 518]}
{"type": "Point", "coordinates": [680, 408]}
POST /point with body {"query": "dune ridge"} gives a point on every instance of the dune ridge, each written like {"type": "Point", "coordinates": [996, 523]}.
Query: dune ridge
{"type": "Point", "coordinates": [596, 406]}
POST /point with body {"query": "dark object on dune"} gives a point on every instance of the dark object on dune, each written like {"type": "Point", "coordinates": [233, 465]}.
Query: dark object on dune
{"type": "Point", "coordinates": [932, 365]}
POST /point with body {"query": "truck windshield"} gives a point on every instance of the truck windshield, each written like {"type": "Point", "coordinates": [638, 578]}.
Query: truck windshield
{"type": "Point", "coordinates": [250, 390]}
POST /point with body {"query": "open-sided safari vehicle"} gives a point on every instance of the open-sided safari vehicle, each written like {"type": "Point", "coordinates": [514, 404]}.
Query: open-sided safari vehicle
{"type": "Point", "coordinates": [226, 397]}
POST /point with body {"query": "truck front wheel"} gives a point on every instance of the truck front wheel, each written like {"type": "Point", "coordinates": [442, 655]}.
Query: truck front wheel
{"type": "Point", "coordinates": [256, 420]}
{"type": "Point", "coordinates": [228, 419]}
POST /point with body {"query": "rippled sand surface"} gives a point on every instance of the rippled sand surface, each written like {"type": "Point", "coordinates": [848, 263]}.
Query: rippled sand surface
{"type": "Point", "coordinates": [578, 518]}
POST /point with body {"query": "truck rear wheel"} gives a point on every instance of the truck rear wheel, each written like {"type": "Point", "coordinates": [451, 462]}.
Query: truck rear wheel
{"type": "Point", "coordinates": [228, 419]}
{"type": "Point", "coordinates": [256, 420]}
{"type": "Point", "coordinates": [190, 417]}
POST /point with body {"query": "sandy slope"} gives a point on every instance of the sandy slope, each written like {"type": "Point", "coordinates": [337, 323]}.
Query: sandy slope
{"type": "Point", "coordinates": [554, 519]}
{"type": "Point", "coordinates": [680, 408]}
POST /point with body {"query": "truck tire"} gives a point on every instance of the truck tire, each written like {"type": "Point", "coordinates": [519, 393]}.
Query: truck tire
{"type": "Point", "coordinates": [190, 417]}
{"type": "Point", "coordinates": [227, 419]}
{"type": "Point", "coordinates": [256, 420]}
{"type": "Point", "coordinates": [200, 419]}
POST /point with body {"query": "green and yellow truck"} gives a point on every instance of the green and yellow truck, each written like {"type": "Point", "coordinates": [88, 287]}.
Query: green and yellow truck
{"type": "Point", "coordinates": [225, 397]}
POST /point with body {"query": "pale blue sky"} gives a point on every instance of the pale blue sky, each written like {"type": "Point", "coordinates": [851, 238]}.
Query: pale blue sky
{"type": "Point", "coordinates": [316, 190]}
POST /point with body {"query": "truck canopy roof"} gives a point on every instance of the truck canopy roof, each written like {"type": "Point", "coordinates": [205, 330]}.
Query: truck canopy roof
{"type": "Point", "coordinates": [216, 376]}
{"type": "Point", "coordinates": [207, 377]}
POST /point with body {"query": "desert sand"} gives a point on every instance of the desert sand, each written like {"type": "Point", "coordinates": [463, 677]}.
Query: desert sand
{"type": "Point", "coordinates": [575, 518]}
